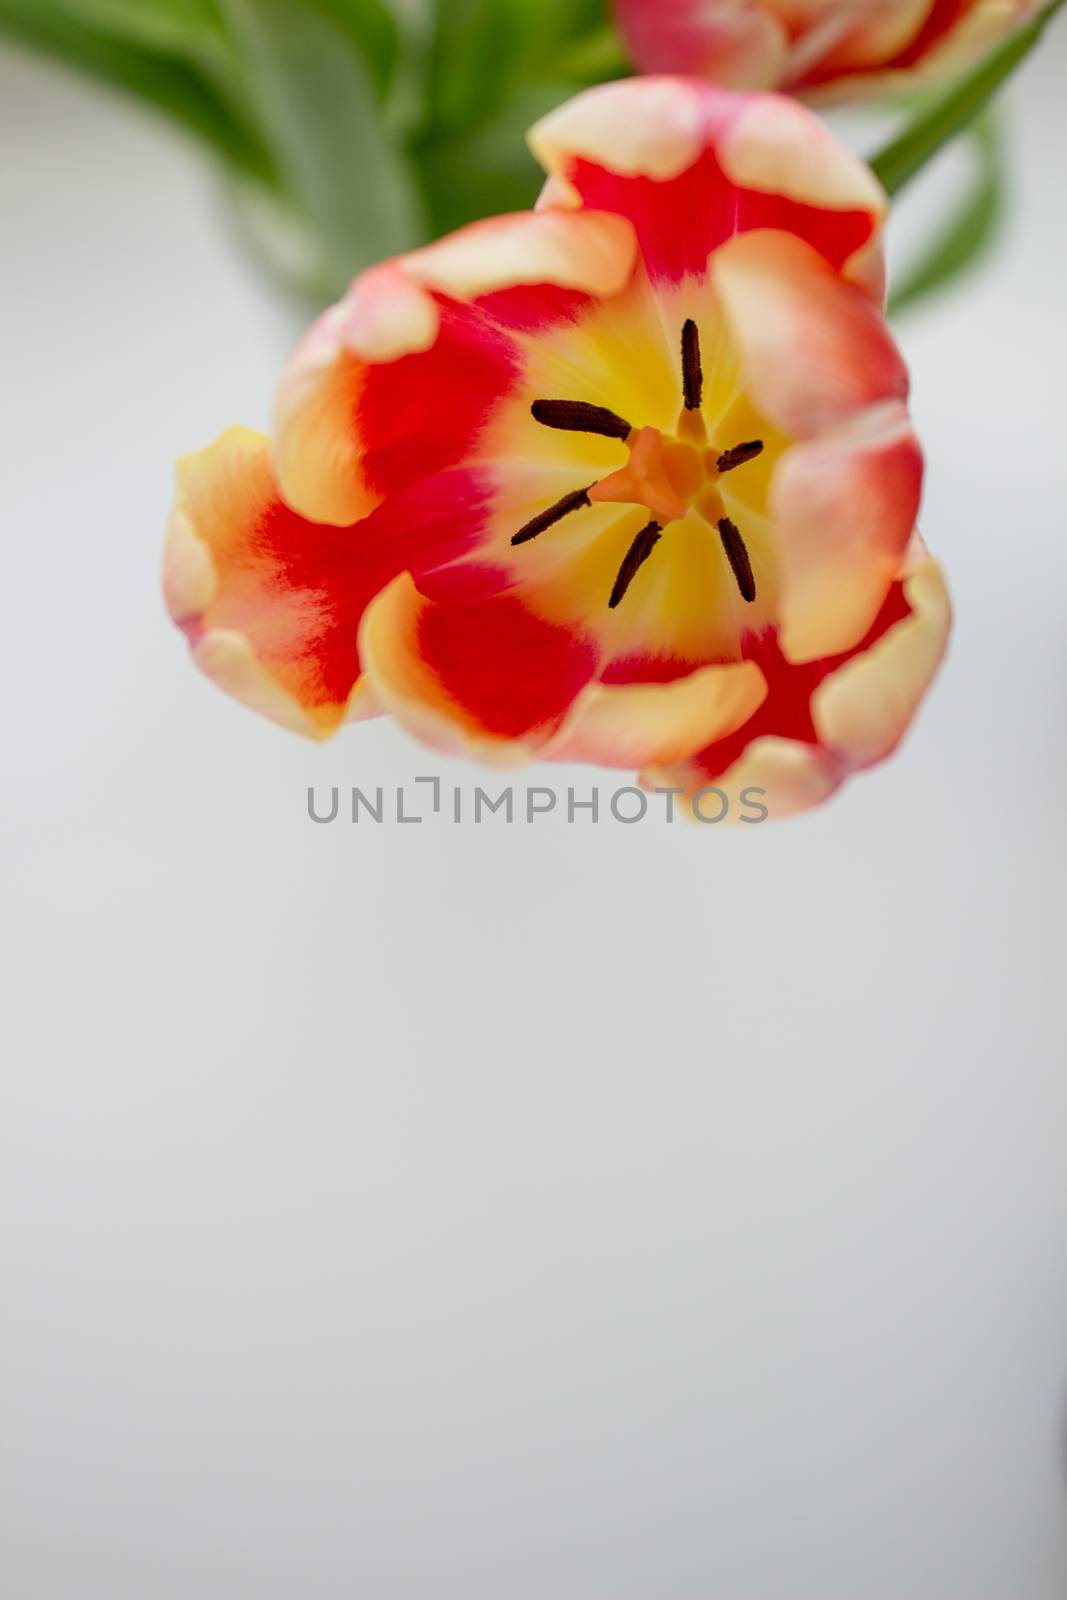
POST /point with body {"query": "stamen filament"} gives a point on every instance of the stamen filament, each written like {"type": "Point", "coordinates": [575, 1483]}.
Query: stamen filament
{"type": "Point", "coordinates": [737, 556]}
{"type": "Point", "coordinates": [642, 547]}
{"type": "Point", "coordinates": [692, 371]}
{"type": "Point", "coordinates": [554, 513]}
{"type": "Point", "coordinates": [577, 416]}
{"type": "Point", "coordinates": [739, 454]}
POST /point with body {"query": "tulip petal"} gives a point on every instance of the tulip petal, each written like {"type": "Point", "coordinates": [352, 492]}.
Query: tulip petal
{"type": "Point", "coordinates": [863, 709]}
{"type": "Point", "coordinates": [819, 49]}
{"type": "Point", "coordinates": [770, 44]}
{"type": "Point", "coordinates": [383, 316]}
{"type": "Point", "coordinates": [854, 38]}
{"type": "Point", "coordinates": [397, 380]}
{"type": "Point", "coordinates": [822, 720]}
{"type": "Point", "coordinates": [691, 164]}
{"type": "Point", "coordinates": [814, 350]}
{"type": "Point", "coordinates": [844, 507]}
{"type": "Point", "coordinates": [775, 146]}
{"type": "Point", "coordinates": [266, 599]}
{"type": "Point", "coordinates": [953, 36]}
{"type": "Point", "coordinates": [593, 253]}
{"type": "Point", "coordinates": [957, 32]}
{"type": "Point", "coordinates": [484, 677]}
{"type": "Point", "coordinates": [786, 777]}
{"type": "Point", "coordinates": [641, 724]}
{"type": "Point", "coordinates": [742, 48]}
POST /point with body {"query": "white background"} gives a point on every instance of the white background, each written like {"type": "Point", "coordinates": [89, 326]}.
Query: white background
{"type": "Point", "coordinates": [454, 1213]}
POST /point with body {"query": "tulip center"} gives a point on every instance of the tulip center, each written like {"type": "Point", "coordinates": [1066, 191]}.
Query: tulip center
{"type": "Point", "coordinates": [668, 474]}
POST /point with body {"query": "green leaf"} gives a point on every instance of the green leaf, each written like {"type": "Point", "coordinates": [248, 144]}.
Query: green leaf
{"type": "Point", "coordinates": [598, 57]}
{"type": "Point", "coordinates": [166, 82]}
{"type": "Point", "coordinates": [190, 28]}
{"type": "Point", "coordinates": [482, 49]}
{"type": "Point", "coordinates": [490, 69]}
{"type": "Point", "coordinates": [953, 111]}
{"type": "Point", "coordinates": [373, 28]}
{"type": "Point", "coordinates": [971, 230]}
{"type": "Point", "coordinates": [488, 168]}
{"type": "Point", "coordinates": [554, 27]}
{"type": "Point", "coordinates": [476, 46]}
{"type": "Point", "coordinates": [351, 187]}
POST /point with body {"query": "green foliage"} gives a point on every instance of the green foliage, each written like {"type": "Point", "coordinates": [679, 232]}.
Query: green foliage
{"type": "Point", "coordinates": [154, 64]}
{"type": "Point", "coordinates": [313, 94]}
{"type": "Point", "coordinates": [486, 167]}
{"type": "Point", "coordinates": [971, 229]}
{"type": "Point", "coordinates": [963, 109]}
{"type": "Point", "coordinates": [354, 129]}
{"type": "Point", "coordinates": [483, 50]}
{"type": "Point", "coordinates": [475, 44]}
{"type": "Point", "coordinates": [186, 28]}
{"type": "Point", "coordinates": [951, 113]}
{"type": "Point", "coordinates": [373, 28]}
{"type": "Point", "coordinates": [492, 68]}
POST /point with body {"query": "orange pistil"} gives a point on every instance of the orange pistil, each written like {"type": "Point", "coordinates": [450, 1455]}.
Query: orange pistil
{"type": "Point", "coordinates": [645, 479]}
{"type": "Point", "coordinates": [664, 476]}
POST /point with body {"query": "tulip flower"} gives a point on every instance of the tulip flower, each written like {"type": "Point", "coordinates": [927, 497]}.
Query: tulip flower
{"type": "Point", "coordinates": [825, 49]}
{"type": "Point", "coordinates": [629, 479]}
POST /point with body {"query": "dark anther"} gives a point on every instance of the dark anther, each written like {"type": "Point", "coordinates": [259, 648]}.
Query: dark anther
{"type": "Point", "coordinates": [576, 416]}
{"type": "Point", "coordinates": [635, 558]}
{"type": "Point", "coordinates": [556, 513]}
{"type": "Point", "coordinates": [737, 556]}
{"type": "Point", "coordinates": [739, 455]}
{"type": "Point", "coordinates": [692, 372]}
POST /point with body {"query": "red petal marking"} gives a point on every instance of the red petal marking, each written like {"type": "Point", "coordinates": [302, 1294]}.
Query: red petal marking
{"type": "Point", "coordinates": [311, 647]}
{"type": "Point", "coordinates": [427, 527]}
{"type": "Point", "coordinates": [943, 16]}
{"type": "Point", "coordinates": [508, 668]}
{"type": "Point", "coordinates": [681, 220]}
{"type": "Point", "coordinates": [430, 524]}
{"type": "Point", "coordinates": [534, 308]}
{"type": "Point", "coordinates": [786, 712]}
{"type": "Point", "coordinates": [466, 580]}
{"type": "Point", "coordinates": [424, 412]}
{"type": "Point", "coordinates": [648, 669]}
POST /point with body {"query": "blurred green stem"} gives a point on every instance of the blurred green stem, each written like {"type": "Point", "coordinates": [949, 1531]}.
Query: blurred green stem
{"type": "Point", "coordinates": [596, 58]}
{"type": "Point", "coordinates": [356, 129]}
{"type": "Point", "coordinates": [965, 236]}
{"type": "Point", "coordinates": [955, 110]}
{"type": "Point", "coordinates": [163, 79]}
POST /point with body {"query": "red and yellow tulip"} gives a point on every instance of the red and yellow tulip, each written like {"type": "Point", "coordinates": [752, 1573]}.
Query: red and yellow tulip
{"type": "Point", "coordinates": [825, 49]}
{"type": "Point", "coordinates": [629, 479]}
